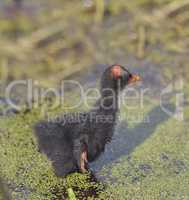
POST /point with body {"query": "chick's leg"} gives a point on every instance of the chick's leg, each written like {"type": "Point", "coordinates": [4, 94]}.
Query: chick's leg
{"type": "Point", "coordinates": [83, 159]}
{"type": "Point", "coordinates": [80, 154]}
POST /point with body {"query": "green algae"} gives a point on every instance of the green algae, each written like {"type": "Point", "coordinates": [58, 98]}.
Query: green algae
{"type": "Point", "coordinates": [28, 172]}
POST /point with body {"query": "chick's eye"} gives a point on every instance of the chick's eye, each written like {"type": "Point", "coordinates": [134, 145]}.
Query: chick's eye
{"type": "Point", "coordinates": [130, 76]}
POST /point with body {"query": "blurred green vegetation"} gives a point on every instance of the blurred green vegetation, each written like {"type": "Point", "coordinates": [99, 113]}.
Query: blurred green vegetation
{"type": "Point", "coordinates": [49, 41]}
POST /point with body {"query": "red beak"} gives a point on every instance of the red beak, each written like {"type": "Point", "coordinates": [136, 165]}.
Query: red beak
{"type": "Point", "coordinates": [134, 78]}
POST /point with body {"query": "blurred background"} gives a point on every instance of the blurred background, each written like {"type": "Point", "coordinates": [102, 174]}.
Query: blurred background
{"type": "Point", "coordinates": [50, 41]}
{"type": "Point", "coordinates": [53, 40]}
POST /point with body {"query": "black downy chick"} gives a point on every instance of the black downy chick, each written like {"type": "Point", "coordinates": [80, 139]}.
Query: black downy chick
{"type": "Point", "coordinates": [71, 144]}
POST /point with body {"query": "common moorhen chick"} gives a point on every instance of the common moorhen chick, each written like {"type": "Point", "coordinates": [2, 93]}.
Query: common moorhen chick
{"type": "Point", "coordinates": [78, 138]}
